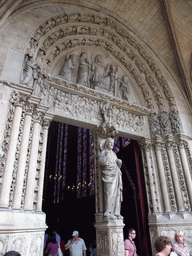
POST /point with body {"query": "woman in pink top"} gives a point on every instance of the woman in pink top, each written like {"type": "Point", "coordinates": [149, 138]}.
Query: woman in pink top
{"type": "Point", "coordinates": [52, 246]}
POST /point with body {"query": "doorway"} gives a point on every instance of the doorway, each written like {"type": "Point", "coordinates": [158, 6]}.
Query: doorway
{"type": "Point", "coordinates": [69, 196]}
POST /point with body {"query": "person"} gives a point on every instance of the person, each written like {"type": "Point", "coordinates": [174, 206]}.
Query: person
{"type": "Point", "coordinates": [52, 246]}
{"type": "Point", "coordinates": [163, 246]}
{"type": "Point", "coordinates": [76, 245]}
{"type": "Point", "coordinates": [129, 244]}
{"type": "Point", "coordinates": [12, 253]}
{"type": "Point", "coordinates": [48, 234]}
{"type": "Point", "coordinates": [112, 180]}
{"type": "Point", "coordinates": [179, 247]}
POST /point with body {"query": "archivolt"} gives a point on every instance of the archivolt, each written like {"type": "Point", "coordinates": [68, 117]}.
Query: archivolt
{"type": "Point", "coordinates": [61, 33]}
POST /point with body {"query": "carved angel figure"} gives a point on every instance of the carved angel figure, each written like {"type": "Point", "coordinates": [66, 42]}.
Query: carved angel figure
{"type": "Point", "coordinates": [112, 180]}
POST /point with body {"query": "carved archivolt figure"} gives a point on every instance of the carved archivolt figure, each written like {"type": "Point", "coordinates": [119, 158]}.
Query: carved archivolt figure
{"type": "Point", "coordinates": [27, 76]}
{"type": "Point", "coordinates": [83, 75]}
{"type": "Point", "coordinates": [112, 180]}
{"type": "Point", "coordinates": [67, 71]}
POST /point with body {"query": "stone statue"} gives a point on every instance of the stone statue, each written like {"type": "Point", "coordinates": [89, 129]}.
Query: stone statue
{"type": "Point", "coordinates": [67, 71]}
{"type": "Point", "coordinates": [83, 74]}
{"type": "Point", "coordinates": [101, 76]}
{"type": "Point", "coordinates": [124, 88]}
{"type": "Point", "coordinates": [27, 75]}
{"type": "Point", "coordinates": [112, 180]}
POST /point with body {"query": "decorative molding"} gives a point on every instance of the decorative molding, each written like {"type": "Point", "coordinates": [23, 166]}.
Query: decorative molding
{"type": "Point", "coordinates": [47, 44]}
{"type": "Point", "coordinates": [181, 177]}
{"type": "Point", "coordinates": [169, 180]}
{"type": "Point", "coordinates": [102, 243]}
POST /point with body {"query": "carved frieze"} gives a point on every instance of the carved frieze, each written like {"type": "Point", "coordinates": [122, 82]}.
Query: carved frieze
{"type": "Point", "coordinates": [117, 242]}
{"type": "Point", "coordinates": [102, 243]}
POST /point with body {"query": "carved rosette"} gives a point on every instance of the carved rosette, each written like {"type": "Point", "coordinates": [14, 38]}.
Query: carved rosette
{"type": "Point", "coordinates": [168, 179]}
{"type": "Point", "coordinates": [189, 157]}
{"type": "Point", "coordinates": [181, 177]}
{"type": "Point", "coordinates": [17, 155]}
{"type": "Point", "coordinates": [146, 148]}
{"type": "Point", "coordinates": [27, 165]}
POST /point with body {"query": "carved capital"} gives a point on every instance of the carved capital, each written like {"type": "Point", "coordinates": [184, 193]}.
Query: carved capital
{"type": "Point", "coordinates": [30, 108]}
{"type": "Point", "coordinates": [18, 99]}
{"type": "Point", "coordinates": [158, 143]}
{"type": "Point", "coordinates": [38, 117]}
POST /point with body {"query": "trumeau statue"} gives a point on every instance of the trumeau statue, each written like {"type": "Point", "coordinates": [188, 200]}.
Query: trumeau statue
{"type": "Point", "coordinates": [112, 180]}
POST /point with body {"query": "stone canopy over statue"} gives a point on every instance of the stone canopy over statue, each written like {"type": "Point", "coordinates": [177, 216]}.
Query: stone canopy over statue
{"type": "Point", "coordinates": [112, 180]}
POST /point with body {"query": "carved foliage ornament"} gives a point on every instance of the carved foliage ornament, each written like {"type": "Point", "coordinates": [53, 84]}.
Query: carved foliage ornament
{"type": "Point", "coordinates": [121, 35]}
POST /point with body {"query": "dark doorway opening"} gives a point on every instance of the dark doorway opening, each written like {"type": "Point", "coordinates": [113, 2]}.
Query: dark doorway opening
{"type": "Point", "coordinates": [69, 200]}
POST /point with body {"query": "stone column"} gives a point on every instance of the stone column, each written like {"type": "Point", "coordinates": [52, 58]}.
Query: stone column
{"type": "Point", "coordinates": [173, 168]}
{"type": "Point", "coordinates": [46, 123]}
{"type": "Point", "coordinates": [23, 153]}
{"type": "Point", "coordinates": [29, 197]}
{"type": "Point", "coordinates": [7, 177]}
{"type": "Point", "coordinates": [163, 182]}
{"type": "Point", "coordinates": [181, 140]}
{"type": "Point", "coordinates": [22, 158]}
{"type": "Point", "coordinates": [147, 146]}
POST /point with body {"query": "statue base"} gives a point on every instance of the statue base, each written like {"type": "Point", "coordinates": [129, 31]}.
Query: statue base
{"type": "Point", "coordinates": [109, 236]}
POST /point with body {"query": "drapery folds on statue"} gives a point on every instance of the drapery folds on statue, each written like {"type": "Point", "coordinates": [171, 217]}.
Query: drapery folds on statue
{"type": "Point", "coordinates": [112, 180]}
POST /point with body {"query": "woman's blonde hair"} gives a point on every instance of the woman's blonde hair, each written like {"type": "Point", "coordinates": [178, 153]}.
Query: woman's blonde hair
{"type": "Point", "coordinates": [178, 232]}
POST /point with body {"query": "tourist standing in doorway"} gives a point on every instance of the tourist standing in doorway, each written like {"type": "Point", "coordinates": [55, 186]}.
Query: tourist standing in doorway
{"type": "Point", "coordinates": [129, 244]}
{"type": "Point", "coordinates": [76, 245]}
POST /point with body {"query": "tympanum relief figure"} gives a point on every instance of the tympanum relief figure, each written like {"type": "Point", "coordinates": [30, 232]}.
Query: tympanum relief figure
{"type": "Point", "coordinates": [95, 71]}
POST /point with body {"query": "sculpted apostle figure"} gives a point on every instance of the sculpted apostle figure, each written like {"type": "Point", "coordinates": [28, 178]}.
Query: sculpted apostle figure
{"type": "Point", "coordinates": [83, 70]}
{"type": "Point", "coordinates": [101, 73]}
{"type": "Point", "coordinates": [112, 180]}
{"type": "Point", "coordinates": [67, 71]}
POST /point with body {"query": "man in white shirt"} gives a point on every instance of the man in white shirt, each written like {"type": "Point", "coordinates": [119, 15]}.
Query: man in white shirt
{"type": "Point", "coordinates": [76, 245]}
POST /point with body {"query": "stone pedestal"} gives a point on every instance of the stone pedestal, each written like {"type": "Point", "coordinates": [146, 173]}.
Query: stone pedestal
{"type": "Point", "coordinates": [109, 236]}
{"type": "Point", "coordinates": [22, 231]}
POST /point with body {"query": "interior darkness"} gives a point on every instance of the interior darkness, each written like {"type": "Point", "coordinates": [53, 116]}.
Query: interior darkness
{"type": "Point", "coordinates": [73, 213]}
